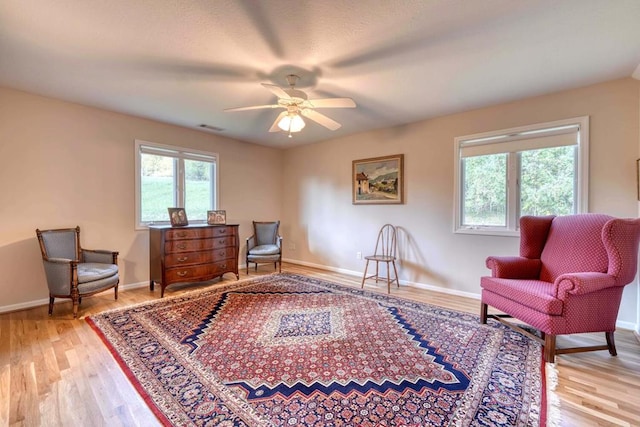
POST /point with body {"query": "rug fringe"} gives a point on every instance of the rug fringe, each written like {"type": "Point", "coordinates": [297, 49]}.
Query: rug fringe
{"type": "Point", "coordinates": [553, 401]}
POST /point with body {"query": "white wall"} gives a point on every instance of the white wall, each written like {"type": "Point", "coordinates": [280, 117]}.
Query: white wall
{"type": "Point", "coordinates": [65, 164]}
{"type": "Point", "coordinates": [328, 229]}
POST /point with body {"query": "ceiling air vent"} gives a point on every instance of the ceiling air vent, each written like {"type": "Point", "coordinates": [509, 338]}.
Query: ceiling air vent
{"type": "Point", "coordinates": [209, 127]}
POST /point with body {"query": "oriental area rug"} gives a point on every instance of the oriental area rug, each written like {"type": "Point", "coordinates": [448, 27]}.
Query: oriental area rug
{"type": "Point", "coordinates": [291, 350]}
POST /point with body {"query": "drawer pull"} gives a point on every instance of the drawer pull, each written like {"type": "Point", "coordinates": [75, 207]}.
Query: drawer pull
{"type": "Point", "coordinates": [221, 253]}
{"type": "Point", "coordinates": [183, 259]}
{"type": "Point", "coordinates": [182, 246]}
{"type": "Point", "coordinates": [182, 234]}
{"type": "Point", "coordinates": [222, 241]}
{"type": "Point", "coordinates": [181, 273]}
{"type": "Point", "coordinates": [222, 230]}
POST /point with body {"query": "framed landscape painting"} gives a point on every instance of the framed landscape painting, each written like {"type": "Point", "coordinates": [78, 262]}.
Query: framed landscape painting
{"type": "Point", "coordinates": [378, 180]}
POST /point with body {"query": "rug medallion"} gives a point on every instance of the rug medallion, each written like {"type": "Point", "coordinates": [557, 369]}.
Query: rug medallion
{"type": "Point", "coordinates": [291, 350]}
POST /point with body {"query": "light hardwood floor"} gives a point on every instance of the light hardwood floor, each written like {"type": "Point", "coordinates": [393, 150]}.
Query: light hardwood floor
{"type": "Point", "coordinates": [55, 371]}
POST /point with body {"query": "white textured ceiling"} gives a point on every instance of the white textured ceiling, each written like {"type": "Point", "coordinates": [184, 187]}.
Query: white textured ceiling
{"type": "Point", "coordinates": [183, 62]}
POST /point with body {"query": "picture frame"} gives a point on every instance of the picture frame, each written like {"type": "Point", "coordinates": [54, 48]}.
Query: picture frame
{"type": "Point", "coordinates": [178, 217]}
{"type": "Point", "coordinates": [216, 217]}
{"type": "Point", "coordinates": [378, 180]}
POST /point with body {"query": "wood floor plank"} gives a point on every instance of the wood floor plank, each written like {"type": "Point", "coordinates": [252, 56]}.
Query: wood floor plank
{"type": "Point", "coordinates": [56, 371]}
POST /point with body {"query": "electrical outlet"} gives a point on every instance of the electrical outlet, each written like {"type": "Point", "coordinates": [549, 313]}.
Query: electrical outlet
{"type": "Point", "coordinates": [359, 255]}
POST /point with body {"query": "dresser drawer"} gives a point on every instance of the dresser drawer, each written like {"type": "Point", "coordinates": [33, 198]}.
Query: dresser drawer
{"type": "Point", "coordinates": [199, 233]}
{"type": "Point", "coordinates": [199, 272]}
{"type": "Point", "coordinates": [179, 246]}
{"type": "Point", "coordinates": [202, 257]}
{"type": "Point", "coordinates": [193, 253]}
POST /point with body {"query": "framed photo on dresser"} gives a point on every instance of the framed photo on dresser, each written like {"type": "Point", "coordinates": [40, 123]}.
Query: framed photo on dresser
{"type": "Point", "coordinates": [216, 217]}
{"type": "Point", "coordinates": [178, 217]}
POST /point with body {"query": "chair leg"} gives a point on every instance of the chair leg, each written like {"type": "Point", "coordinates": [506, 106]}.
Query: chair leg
{"type": "Point", "coordinates": [549, 348]}
{"type": "Point", "coordinates": [611, 343]}
{"type": "Point", "coordinates": [275, 265]}
{"type": "Point", "coordinates": [76, 303]}
{"type": "Point", "coordinates": [377, 264]}
{"type": "Point", "coordinates": [364, 276]}
{"type": "Point", "coordinates": [280, 266]}
{"type": "Point", "coordinates": [51, 305]}
{"type": "Point", "coordinates": [116, 292]}
{"type": "Point", "coordinates": [396, 272]}
{"type": "Point", "coordinates": [483, 313]}
{"type": "Point", "coordinates": [388, 279]}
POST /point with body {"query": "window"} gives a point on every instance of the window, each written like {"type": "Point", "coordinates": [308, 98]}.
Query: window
{"type": "Point", "coordinates": [531, 170]}
{"type": "Point", "coordinates": [169, 176]}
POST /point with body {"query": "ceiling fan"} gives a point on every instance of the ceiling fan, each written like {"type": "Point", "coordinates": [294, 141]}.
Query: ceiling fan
{"type": "Point", "coordinates": [296, 104]}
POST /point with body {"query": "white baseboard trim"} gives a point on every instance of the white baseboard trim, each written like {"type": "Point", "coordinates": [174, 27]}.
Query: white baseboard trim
{"type": "Point", "coordinates": [133, 286]}
{"type": "Point", "coordinates": [323, 267]}
{"type": "Point", "coordinates": [402, 282]}
{"type": "Point", "coordinates": [26, 305]}
{"type": "Point", "coordinates": [619, 324]}
{"type": "Point", "coordinates": [442, 290]}
{"type": "Point", "coordinates": [45, 301]}
{"type": "Point", "coordinates": [625, 325]}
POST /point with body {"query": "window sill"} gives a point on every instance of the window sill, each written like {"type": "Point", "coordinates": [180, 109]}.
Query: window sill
{"type": "Point", "coordinates": [145, 226]}
{"type": "Point", "coordinates": [483, 231]}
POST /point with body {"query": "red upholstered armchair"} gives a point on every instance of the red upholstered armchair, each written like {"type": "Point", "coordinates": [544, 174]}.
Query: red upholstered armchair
{"type": "Point", "coordinates": [568, 278]}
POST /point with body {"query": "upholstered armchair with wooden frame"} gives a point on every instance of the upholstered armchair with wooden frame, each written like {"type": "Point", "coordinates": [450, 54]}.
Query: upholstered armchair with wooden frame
{"type": "Point", "coordinates": [265, 245]}
{"type": "Point", "coordinates": [568, 278]}
{"type": "Point", "coordinates": [73, 272]}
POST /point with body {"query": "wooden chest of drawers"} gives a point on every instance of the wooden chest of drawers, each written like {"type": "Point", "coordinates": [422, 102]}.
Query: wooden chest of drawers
{"type": "Point", "coordinates": [194, 253]}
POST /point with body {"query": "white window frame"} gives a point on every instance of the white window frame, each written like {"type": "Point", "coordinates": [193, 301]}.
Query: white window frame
{"type": "Point", "coordinates": [512, 136]}
{"type": "Point", "coordinates": [181, 154]}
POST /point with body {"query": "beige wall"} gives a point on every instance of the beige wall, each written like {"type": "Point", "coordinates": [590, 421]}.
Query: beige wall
{"type": "Point", "coordinates": [65, 164]}
{"type": "Point", "coordinates": [328, 230]}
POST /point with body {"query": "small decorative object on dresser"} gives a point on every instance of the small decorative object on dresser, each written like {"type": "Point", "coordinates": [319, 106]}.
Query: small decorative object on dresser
{"type": "Point", "coordinates": [216, 217]}
{"type": "Point", "coordinates": [178, 217]}
{"type": "Point", "coordinates": [193, 253]}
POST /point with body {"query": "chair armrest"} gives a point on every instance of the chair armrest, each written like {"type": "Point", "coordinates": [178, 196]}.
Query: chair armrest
{"type": "Point", "coordinates": [514, 267]}
{"type": "Point", "coordinates": [65, 261]}
{"type": "Point", "coordinates": [60, 273]}
{"type": "Point", "coordinates": [582, 283]}
{"type": "Point", "coordinates": [100, 256]}
{"type": "Point", "coordinates": [251, 243]}
{"type": "Point", "coordinates": [279, 242]}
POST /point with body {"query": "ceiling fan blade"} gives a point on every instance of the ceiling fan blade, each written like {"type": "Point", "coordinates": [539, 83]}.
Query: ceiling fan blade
{"type": "Point", "coordinates": [332, 103]}
{"type": "Point", "coordinates": [255, 107]}
{"type": "Point", "coordinates": [321, 119]}
{"type": "Point", "coordinates": [274, 126]}
{"type": "Point", "coordinates": [277, 91]}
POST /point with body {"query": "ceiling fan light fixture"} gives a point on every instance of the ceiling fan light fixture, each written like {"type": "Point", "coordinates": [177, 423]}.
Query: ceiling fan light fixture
{"type": "Point", "coordinates": [291, 123]}
{"type": "Point", "coordinates": [296, 104]}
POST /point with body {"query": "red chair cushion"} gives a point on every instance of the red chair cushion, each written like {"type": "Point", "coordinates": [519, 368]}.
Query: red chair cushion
{"type": "Point", "coordinates": [535, 294]}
